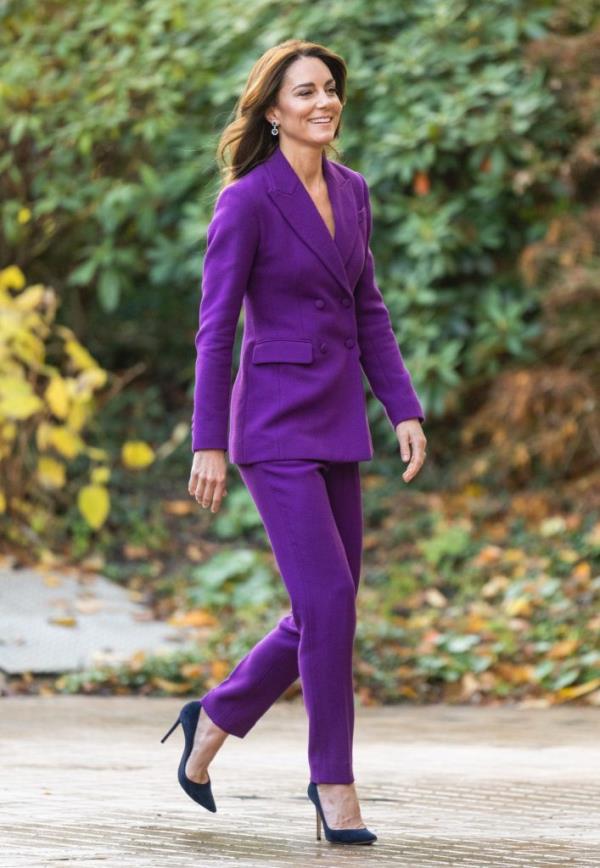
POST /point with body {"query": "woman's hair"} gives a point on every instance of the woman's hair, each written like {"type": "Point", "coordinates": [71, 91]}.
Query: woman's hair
{"type": "Point", "coordinates": [248, 137]}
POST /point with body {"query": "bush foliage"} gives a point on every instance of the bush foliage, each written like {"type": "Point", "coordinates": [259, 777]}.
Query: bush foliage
{"type": "Point", "coordinates": [110, 116]}
{"type": "Point", "coordinates": [477, 126]}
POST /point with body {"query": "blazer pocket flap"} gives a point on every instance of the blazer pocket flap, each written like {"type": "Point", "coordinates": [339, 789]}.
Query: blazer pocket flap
{"type": "Point", "coordinates": [282, 351]}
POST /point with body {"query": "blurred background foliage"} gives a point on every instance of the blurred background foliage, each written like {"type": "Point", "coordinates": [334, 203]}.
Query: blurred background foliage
{"type": "Point", "coordinates": [477, 127]}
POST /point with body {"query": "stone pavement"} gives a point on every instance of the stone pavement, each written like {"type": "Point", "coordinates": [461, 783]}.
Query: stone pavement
{"type": "Point", "coordinates": [87, 782]}
{"type": "Point", "coordinates": [61, 621]}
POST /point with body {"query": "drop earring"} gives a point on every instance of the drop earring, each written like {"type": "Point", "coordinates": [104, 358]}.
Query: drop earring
{"type": "Point", "coordinates": [274, 129]}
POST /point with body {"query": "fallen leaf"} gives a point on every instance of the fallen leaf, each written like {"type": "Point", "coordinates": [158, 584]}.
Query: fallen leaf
{"type": "Point", "coordinates": [180, 507]}
{"type": "Point", "coordinates": [89, 605]}
{"type": "Point", "coordinates": [171, 686]}
{"type": "Point", "coordinates": [63, 621]}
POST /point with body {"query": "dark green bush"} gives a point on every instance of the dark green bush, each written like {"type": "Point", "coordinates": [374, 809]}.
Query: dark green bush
{"type": "Point", "coordinates": [110, 116]}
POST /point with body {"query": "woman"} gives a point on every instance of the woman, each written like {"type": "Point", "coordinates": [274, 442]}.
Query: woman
{"type": "Point", "coordinates": [289, 240]}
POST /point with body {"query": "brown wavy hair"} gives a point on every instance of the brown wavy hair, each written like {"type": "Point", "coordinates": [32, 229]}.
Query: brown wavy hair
{"type": "Point", "coordinates": [247, 138]}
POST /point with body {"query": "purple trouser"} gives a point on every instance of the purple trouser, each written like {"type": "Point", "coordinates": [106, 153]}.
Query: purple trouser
{"type": "Point", "coordinates": [312, 513]}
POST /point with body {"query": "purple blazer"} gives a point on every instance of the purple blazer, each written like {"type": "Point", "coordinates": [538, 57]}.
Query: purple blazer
{"type": "Point", "coordinates": [313, 318]}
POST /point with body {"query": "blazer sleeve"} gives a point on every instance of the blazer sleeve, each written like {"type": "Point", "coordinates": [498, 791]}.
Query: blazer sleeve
{"type": "Point", "coordinates": [381, 359]}
{"type": "Point", "coordinates": [232, 240]}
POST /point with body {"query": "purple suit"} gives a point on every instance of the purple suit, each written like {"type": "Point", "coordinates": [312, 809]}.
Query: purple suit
{"type": "Point", "coordinates": [313, 316]}
{"type": "Point", "coordinates": [298, 428]}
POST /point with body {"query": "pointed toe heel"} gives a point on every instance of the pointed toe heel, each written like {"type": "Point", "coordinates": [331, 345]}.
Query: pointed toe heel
{"type": "Point", "coordinates": [200, 793]}
{"type": "Point", "coordinates": [337, 836]}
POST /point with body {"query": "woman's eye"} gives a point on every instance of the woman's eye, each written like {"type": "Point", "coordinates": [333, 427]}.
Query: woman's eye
{"type": "Point", "coordinates": [307, 92]}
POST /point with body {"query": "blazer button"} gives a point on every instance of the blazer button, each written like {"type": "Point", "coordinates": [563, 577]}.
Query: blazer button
{"type": "Point", "coordinates": [346, 301]}
{"type": "Point", "coordinates": [319, 302]}
{"type": "Point", "coordinates": [323, 347]}
{"type": "Point", "coordinates": [349, 342]}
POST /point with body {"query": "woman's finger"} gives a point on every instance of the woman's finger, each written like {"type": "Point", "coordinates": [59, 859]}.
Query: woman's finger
{"type": "Point", "coordinates": [218, 495]}
{"type": "Point", "coordinates": [417, 459]}
{"type": "Point", "coordinates": [404, 445]}
{"type": "Point", "coordinates": [193, 482]}
{"type": "Point", "coordinates": [207, 493]}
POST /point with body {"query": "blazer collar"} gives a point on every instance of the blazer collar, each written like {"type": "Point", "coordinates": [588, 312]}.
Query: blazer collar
{"type": "Point", "coordinates": [296, 205]}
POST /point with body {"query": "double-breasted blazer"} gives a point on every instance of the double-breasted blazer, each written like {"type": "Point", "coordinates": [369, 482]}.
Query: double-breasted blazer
{"type": "Point", "coordinates": [314, 320]}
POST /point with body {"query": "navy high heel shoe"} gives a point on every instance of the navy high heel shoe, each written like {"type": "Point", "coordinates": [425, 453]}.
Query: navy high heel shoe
{"type": "Point", "coordinates": [188, 718]}
{"type": "Point", "coordinates": [337, 836]}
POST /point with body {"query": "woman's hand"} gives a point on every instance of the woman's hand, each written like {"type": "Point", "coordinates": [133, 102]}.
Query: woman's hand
{"type": "Point", "coordinates": [412, 442]}
{"type": "Point", "coordinates": [208, 477]}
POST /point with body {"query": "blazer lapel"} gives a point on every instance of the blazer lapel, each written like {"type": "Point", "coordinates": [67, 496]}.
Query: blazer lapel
{"type": "Point", "coordinates": [296, 205]}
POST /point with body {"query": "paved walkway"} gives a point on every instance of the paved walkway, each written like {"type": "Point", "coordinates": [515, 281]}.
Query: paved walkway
{"type": "Point", "coordinates": [67, 620]}
{"type": "Point", "coordinates": [86, 781]}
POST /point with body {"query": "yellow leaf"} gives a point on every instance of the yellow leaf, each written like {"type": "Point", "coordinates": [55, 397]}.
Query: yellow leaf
{"type": "Point", "coordinates": [568, 555]}
{"type": "Point", "coordinates": [520, 455]}
{"type": "Point", "coordinates": [489, 554]}
{"type": "Point", "coordinates": [582, 570]}
{"type": "Point", "coordinates": [93, 502]}
{"type": "Point", "coordinates": [43, 434]}
{"type": "Point", "coordinates": [12, 278]}
{"type": "Point", "coordinates": [518, 606]}
{"type": "Point", "coordinates": [170, 686]}
{"type": "Point", "coordinates": [23, 215]}
{"type": "Point", "coordinates": [219, 669]}
{"type": "Point", "coordinates": [79, 355]}
{"type": "Point", "coordinates": [192, 670]}
{"type": "Point", "coordinates": [178, 507]}
{"type": "Point", "coordinates": [563, 649]}
{"type": "Point", "coordinates": [17, 398]}
{"type": "Point", "coordinates": [575, 690]}
{"type": "Point", "coordinates": [137, 660]}
{"type": "Point", "coordinates": [515, 673]}
{"type": "Point", "coordinates": [90, 379]}
{"type": "Point", "coordinates": [97, 454]}
{"type": "Point", "coordinates": [476, 623]}
{"type": "Point", "coordinates": [136, 454]}
{"type": "Point", "coordinates": [474, 489]}
{"type": "Point", "coordinates": [65, 441]}
{"type": "Point", "coordinates": [63, 621]}
{"type": "Point", "coordinates": [513, 556]}
{"type": "Point", "coordinates": [77, 415]}
{"type": "Point", "coordinates": [100, 475]}
{"type": "Point", "coordinates": [20, 406]}
{"type": "Point", "coordinates": [57, 396]}
{"type": "Point", "coordinates": [195, 618]}
{"type": "Point", "coordinates": [50, 472]}
{"type": "Point", "coordinates": [29, 348]}
{"type": "Point", "coordinates": [2, 502]}
{"type": "Point", "coordinates": [8, 431]}
{"type": "Point", "coordinates": [31, 298]}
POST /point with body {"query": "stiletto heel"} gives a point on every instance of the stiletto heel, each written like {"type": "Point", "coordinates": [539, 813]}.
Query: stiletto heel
{"type": "Point", "coordinates": [337, 836]}
{"type": "Point", "coordinates": [165, 737]}
{"type": "Point", "coordinates": [188, 718]}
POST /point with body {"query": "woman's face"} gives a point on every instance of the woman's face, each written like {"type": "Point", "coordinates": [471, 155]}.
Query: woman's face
{"type": "Point", "coordinates": [308, 92]}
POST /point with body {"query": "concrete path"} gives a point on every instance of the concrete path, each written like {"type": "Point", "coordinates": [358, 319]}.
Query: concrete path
{"type": "Point", "coordinates": [54, 621]}
{"type": "Point", "coordinates": [87, 782]}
